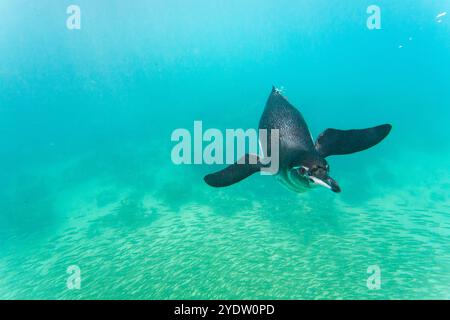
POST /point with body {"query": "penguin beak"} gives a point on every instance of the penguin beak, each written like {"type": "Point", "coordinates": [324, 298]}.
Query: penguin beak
{"type": "Point", "coordinates": [333, 185]}
{"type": "Point", "coordinates": [327, 182]}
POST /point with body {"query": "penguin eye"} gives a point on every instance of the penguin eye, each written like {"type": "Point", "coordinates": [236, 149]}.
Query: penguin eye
{"type": "Point", "coordinates": [303, 170]}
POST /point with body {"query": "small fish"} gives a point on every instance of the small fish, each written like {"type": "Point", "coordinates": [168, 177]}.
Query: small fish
{"type": "Point", "coordinates": [440, 15]}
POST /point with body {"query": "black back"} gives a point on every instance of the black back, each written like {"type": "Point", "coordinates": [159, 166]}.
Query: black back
{"type": "Point", "coordinates": [295, 138]}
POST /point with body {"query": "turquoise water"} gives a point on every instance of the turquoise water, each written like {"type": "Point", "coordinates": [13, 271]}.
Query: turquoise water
{"type": "Point", "coordinates": [86, 177]}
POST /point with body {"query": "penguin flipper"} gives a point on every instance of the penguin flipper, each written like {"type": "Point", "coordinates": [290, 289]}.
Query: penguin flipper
{"type": "Point", "coordinates": [338, 142]}
{"type": "Point", "coordinates": [245, 167]}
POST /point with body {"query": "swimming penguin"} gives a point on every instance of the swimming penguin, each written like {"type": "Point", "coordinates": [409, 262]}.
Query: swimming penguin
{"type": "Point", "coordinates": [302, 163]}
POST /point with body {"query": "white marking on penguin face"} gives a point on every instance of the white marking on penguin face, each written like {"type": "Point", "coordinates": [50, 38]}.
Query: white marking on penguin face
{"type": "Point", "coordinates": [295, 181]}
{"type": "Point", "coordinates": [319, 182]}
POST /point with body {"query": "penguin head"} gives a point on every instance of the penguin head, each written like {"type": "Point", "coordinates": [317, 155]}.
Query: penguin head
{"type": "Point", "coordinates": [316, 172]}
